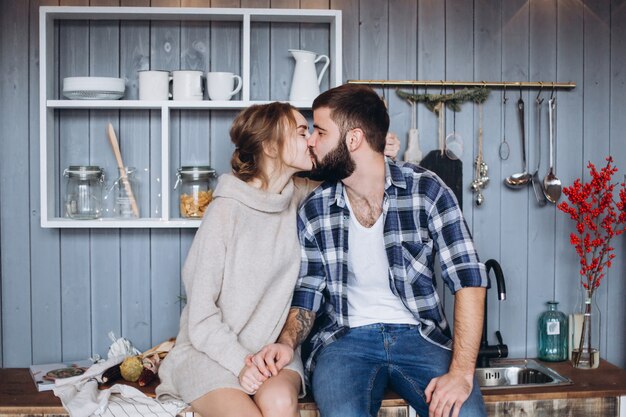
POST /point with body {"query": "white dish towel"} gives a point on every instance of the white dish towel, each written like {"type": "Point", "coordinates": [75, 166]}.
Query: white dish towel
{"type": "Point", "coordinates": [82, 398]}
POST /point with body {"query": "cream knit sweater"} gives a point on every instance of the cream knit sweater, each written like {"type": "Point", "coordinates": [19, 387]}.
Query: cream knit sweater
{"type": "Point", "coordinates": [239, 277]}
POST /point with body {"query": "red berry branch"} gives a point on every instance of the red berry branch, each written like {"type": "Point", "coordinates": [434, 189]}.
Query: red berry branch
{"type": "Point", "coordinates": [599, 218]}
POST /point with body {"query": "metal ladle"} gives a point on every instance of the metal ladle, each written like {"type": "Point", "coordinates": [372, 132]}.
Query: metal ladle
{"type": "Point", "coordinates": [551, 184]}
{"type": "Point", "coordinates": [521, 179]}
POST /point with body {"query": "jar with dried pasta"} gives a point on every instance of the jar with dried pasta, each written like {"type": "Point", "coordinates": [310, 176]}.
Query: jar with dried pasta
{"type": "Point", "coordinates": [196, 190]}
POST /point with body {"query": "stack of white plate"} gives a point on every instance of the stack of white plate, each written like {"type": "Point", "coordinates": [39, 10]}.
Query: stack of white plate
{"type": "Point", "coordinates": [93, 88]}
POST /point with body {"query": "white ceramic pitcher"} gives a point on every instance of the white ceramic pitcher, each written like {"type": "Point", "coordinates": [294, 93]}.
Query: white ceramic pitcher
{"type": "Point", "coordinates": [305, 84]}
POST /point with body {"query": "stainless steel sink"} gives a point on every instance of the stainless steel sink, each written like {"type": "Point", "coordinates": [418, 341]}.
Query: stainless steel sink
{"type": "Point", "coordinates": [518, 373]}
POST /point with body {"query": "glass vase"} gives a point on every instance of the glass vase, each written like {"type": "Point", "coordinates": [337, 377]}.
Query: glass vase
{"type": "Point", "coordinates": [553, 332]}
{"type": "Point", "coordinates": [586, 340]}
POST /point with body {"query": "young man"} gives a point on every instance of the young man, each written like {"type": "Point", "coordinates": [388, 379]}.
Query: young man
{"type": "Point", "coordinates": [369, 237]}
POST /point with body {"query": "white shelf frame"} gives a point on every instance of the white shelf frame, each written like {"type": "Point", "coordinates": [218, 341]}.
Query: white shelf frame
{"type": "Point", "coordinates": [48, 104]}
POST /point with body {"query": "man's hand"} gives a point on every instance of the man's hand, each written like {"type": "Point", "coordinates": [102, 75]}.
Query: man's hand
{"type": "Point", "coordinates": [447, 391]}
{"type": "Point", "coordinates": [392, 145]}
{"type": "Point", "coordinates": [271, 359]}
{"type": "Point", "coordinates": [452, 389]}
{"type": "Point", "coordinates": [250, 378]}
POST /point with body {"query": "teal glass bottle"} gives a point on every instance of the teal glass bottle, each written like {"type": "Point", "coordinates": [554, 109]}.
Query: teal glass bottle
{"type": "Point", "coordinates": [553, 334]}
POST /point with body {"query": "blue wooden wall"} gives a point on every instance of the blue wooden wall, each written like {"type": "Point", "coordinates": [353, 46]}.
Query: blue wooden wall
{"type": "Point", "coordinates": [63, 290]}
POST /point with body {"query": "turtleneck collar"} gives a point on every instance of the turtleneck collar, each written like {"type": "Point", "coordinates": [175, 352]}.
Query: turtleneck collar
{"type": "Point", "coordinates": [229, 186]}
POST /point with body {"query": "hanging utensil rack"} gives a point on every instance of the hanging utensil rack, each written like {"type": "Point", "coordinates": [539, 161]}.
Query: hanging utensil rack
{"type": "Point", "coordinates": [444, 83]}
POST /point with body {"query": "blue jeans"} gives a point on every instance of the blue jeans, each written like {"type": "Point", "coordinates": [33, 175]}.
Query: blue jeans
{"type": "Point", "coordinates": [353, 372]}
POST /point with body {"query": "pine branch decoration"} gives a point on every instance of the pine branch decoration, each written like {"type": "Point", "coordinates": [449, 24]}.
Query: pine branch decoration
{"type": "Point", "coordinates": [453, 100]}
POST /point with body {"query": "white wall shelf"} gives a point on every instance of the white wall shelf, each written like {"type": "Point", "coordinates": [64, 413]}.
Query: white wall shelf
{"type": "Point", "coordinates": [104, 223]}
{"type": "Point", "coordinates": [165, 105]}
{"type": "Point", "coordinates": [63, 123]}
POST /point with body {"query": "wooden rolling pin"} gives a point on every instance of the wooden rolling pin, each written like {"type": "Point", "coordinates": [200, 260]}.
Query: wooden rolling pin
{"type": "Point", "coordinates": [120, 165]}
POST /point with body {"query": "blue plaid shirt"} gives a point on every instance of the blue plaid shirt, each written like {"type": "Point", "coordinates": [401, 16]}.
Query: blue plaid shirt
{"type": "Point", "coordinates": [421, 218]}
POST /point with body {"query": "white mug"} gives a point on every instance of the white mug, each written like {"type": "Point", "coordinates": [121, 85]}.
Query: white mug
{"type": "Point", "coordinates": [154, 85]}
{"type": "Point", "coordinates": [188, 85]}
{"type": "Point", "coordinates": [221, 85]}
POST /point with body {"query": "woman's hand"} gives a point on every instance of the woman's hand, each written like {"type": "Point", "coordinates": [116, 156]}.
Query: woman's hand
{"type": "Point", "coordinates": [250, 378]}
{"type": "Point", "coordinates": [392, 145]}
{"type": "Point", "coordinates": [271, 359]}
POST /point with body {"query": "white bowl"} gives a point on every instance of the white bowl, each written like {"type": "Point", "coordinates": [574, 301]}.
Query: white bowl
{"type": "Point", "coordinates": [93, 88]}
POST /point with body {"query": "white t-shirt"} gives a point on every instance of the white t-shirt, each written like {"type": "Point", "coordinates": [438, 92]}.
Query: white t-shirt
{"type": "Point", "coordinates": [370, 300]}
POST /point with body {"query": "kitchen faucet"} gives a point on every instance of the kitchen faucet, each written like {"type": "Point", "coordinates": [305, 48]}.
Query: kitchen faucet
{"type": "Point", "coordinates": [500, 350]}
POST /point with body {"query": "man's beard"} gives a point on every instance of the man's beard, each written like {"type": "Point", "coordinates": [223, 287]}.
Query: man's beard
{"type": "Point", "coordinates": [335, 166]}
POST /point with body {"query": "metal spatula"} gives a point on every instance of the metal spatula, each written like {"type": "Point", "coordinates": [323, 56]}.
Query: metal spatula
{"type": "Point", "coordinates": [536, 182]}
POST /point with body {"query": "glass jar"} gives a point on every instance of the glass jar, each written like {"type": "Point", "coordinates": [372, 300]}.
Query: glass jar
{"type": "Point", "coordinates": [553, 334]}
{"type": "Point", "coordinates": [126, 195]}
{"type": "Point", "coordinates": [83, 193]}
{"type": "Point", "coordinates": [196, 190]}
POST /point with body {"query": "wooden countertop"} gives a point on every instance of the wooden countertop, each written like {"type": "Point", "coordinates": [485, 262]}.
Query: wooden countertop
{"type": "Point", "coordinates": [18, 394]}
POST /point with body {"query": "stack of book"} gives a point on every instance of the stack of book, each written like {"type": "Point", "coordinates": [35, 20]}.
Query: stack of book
{"type": "Point", "coordinates": [44, 375]}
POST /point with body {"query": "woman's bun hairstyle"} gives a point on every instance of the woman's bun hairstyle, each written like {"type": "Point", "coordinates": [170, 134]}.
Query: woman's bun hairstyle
{"type": "Point", "coordinates": [255, 127]}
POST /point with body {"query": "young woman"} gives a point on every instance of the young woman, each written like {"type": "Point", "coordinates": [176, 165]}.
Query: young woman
{"type": "Point", "coordinates": [240, 273]}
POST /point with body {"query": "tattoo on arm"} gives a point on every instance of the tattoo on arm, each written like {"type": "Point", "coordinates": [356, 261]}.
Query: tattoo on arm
{"type": "Point", "coordinates": [297, 327]}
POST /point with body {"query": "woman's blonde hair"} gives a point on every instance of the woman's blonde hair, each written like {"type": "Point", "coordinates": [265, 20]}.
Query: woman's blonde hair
{"type": "Point", "coordinates": [256, 127]}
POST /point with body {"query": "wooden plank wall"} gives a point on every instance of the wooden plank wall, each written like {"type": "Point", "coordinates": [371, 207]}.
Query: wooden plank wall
{"type": "Point", "coordinates": [63, 290]}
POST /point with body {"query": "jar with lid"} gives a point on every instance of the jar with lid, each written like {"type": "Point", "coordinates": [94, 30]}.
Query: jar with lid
{"type": "Point", "coordinates": [196, 190]}
{"type": "Point", "coordinates": [83, 192]}
{"type": "Point", "coordinates": [553, 334]}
